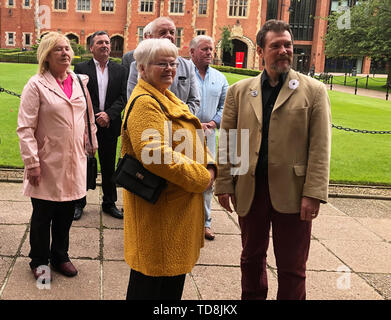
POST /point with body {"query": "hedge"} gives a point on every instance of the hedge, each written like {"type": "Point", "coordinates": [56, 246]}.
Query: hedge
{"type": "Point", "coordinates": [28, 57]}
{"type": "Point", "coordinates": [228, 69]}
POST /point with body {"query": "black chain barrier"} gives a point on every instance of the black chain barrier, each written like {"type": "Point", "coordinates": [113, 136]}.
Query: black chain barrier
{"type": "Point", "coordinates": [333, 125]}
{"type": "Point", "coordinates": [10, 92]}
{"type": "Point", "coordinates": [360, 131]}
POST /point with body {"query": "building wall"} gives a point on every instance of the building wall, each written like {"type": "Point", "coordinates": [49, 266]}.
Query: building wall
{"type": "Point", "coordinates": [126, 18]}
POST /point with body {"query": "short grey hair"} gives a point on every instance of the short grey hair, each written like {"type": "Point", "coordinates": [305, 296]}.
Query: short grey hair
{"type": "Point", "coordinates": [154, 22]}
{"type": "Point", "coordinates": [149, 49]}
{"type": "Point", "coordinates": [195, 41]}
{"type": "Point", "coordinates": [147, 30]}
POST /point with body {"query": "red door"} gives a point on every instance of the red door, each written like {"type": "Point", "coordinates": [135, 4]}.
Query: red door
{"type": "Point", "coordinates": [239, 59]}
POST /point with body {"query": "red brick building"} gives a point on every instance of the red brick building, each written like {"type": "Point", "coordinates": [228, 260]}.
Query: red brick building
{"type": "Point", "coordinates": [24, 21]}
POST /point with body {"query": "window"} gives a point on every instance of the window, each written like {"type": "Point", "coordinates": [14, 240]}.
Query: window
{"type": "Point", "coordinates": [26, 3]}
{"type": "Point", "coordinates": [108, 5]}
{"type": "Point", "coordinates": [10, 38]}
{"type": "Point", "coordinates": [83, 5]}
{"type": "Point", "coordinates": [60, 4]}
{"type": "Point", "coordinates": [301, 19]}
{"type": "Point", "coordinates": [140, 33]}
{"type": "Point", "coordinates": [272, 9]}
{"type": "Point", "coordinates": [178, 37]}
{"type": "Point", "coordinates": [200, 32]}
{"type": "Point", "coordinates": [238, 8]}
{"type": "Point", "coordinates": [11, 3]}
{"type": "Point", "coordinates": [202, 7]}
{"type": "Point", "coordinates": [176, 6]}
{"type": "Point", "coordinates": [146, 6]}
{"type": "Point", "coordinates": [27, 39]}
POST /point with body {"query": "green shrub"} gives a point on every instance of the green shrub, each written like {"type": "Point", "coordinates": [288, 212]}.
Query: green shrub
{"type": "Point", "coordinates": [228, 69]}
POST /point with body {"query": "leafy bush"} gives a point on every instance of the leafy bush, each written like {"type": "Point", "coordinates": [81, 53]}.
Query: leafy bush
{"type": "Point", "coordinates": [247, 72]}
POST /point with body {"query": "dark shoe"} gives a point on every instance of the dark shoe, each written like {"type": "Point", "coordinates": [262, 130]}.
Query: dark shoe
{"type": "Point", "coordinates": [41, 274]}
{"type": "Point", "coordinates": [78, 213]}
{"type": "Point", "coordinates": [66, 268]}
{"type": "Point", "coordinates": [113, 211]}
{"type": "Point", "coordinates": [209, 235]}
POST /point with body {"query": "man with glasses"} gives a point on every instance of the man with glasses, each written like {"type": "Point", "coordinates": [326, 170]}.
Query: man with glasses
{"type": "Point", "coordinates": [184, 85]}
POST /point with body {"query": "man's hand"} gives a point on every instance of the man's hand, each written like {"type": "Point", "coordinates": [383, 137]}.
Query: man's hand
{"type": "Point", "coordinates": [309, 208]}
{"type": "Point", "coordinates": [208, 127]}
{"type": "Point", "coordinates": [224, 201]}
{"type": "Point", "coordinates": [34, 176]}
{"type": "Point", "coordinates": [102, 119]}
{"type": "Point", "coordinates": [212, 177]}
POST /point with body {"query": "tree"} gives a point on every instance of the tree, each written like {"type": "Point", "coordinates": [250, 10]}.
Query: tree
{"type": "Point", "coordinates": [363, 30]}
{"type": "Point", "coordinates": [226, 42]}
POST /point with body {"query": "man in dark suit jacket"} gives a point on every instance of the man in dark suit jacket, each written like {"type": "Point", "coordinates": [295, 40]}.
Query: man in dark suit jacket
{"type": "Point", "coordinates": [107, 88]}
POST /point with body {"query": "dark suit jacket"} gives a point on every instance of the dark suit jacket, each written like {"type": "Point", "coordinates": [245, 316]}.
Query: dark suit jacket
{"type": "Point", "coordinates": [116, 91]}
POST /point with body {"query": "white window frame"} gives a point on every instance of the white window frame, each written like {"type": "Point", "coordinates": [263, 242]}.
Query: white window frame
{"type": "Point", "coordinates": [7, 38]}
{"type": "Point", "coordinates": [85, 3]}
{"type": "Point", "coordinates": [150, 4]}
{"type": "Point", "coordinates": [179, 37]}
{"type": "Point", "coordinates": [238, 7]}
{"type": "Point", "coordinates": [107, 4]}
{"type": "Point", "coordinates": [24, 39]}
{"type": "Point", "coordinates": [175, 5]}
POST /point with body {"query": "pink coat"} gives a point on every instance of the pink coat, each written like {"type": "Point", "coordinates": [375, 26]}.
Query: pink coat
{"type": "Point", "coordinates": [53, 136]}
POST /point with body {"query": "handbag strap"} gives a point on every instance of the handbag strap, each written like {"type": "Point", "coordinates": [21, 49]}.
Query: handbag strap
{"type": "Point", "coordinates": [88, 114]}
{"type": "Point", "coordinates": [125, 123]}
{"type": "Point", "coordinates": [132, 104]}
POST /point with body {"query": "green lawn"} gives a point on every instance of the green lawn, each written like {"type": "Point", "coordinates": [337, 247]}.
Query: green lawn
{"type": "Point", "coordinates": [356, 158]}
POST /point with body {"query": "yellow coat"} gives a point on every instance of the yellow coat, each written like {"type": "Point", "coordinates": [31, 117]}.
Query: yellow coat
{"type": "Point", "coordinates": [165, 238]}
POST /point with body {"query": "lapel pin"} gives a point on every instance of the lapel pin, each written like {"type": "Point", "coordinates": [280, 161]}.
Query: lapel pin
{"type": "Point", "coordinates": [254, 93]}
{"type": "Point", "coordinates": [293, 84]}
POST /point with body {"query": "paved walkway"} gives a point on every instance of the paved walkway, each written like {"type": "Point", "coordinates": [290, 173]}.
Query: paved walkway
{"type": "Point", "coordinates": [360, 91]}
{"type": "Point", "coordinates": [350, 255]}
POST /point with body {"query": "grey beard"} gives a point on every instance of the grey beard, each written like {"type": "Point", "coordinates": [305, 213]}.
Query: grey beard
{"type": "Point", "coordinates": [281, 70]}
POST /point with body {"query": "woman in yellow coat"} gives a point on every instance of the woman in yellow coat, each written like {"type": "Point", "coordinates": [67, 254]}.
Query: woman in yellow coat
{"type": "Point", "coordinates": [162, 241]}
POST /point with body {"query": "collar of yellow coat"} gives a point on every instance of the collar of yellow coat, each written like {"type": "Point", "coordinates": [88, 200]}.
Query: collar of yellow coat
{"type": "Point", "coordinates": [174, 107]}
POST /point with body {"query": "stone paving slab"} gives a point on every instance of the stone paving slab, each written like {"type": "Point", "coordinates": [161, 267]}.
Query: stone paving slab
{"type": "Point", "coordinates": [349, 238]}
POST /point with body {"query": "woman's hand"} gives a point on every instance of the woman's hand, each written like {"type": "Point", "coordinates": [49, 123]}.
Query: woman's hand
{"type": "Point", "coordinates": [34, 176]}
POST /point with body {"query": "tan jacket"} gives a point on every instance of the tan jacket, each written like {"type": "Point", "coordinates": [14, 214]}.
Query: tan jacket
{"type": "Point", "coordinates": [299, 142]}
{"type": "Point", "coordinates": [53, 136]}
{"type": "Point", "coordinates": [164, 239]}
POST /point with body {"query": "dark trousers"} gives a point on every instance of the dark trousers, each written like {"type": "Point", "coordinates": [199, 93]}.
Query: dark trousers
{"type": "Point", "coordinates": [58, 217]}
{"type": "Point", "coordinates": [291, 242]}
{"type": "Point", "coordinates": [142, 287]}
{"type": "Point", "coordinates": [107, 150]}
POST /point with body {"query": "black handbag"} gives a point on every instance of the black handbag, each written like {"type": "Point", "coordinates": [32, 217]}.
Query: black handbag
{"type": "Point", "coordinates": [92, 164]}
{"type": "Point", "coordinates": [131, 174]}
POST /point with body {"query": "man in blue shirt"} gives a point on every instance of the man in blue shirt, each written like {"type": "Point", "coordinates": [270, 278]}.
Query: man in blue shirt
{"type": "Point", "coordinates": [212, 86]}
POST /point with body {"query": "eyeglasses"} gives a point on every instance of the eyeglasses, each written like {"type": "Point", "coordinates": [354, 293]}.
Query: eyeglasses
{"type": "Point", "coordinates": [164, 65]}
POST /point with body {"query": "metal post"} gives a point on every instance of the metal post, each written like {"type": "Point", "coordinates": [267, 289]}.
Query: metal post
{"type": "Point", "coordinates": [388, 87]}
{"type": "Point", "coordinates": [366, 86]}
{"type": "Point", "coordinates": [344, 83]}
{"type": "Point", "coordinates": [331, 83]}
{"type": "Point", "coordinates": [355, 89]}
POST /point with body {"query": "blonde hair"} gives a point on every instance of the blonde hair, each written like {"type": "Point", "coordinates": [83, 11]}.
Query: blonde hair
{"type": "Point", "coordinates": [48, 42]}
{"type": "Point", "coordinates": [149, 49]}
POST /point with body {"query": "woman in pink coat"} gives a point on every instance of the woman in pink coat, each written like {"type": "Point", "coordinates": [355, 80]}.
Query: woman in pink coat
{"type": "Point", "coordinates": [53, 138]}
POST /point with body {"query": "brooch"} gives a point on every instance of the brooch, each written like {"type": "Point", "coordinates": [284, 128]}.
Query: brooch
{"type": "Point", "coordinates": [293, 84]}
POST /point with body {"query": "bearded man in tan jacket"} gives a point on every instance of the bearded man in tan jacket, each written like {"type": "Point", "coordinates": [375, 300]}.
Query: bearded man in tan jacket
{"type": "Point", "coordinates": [280, 173]}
